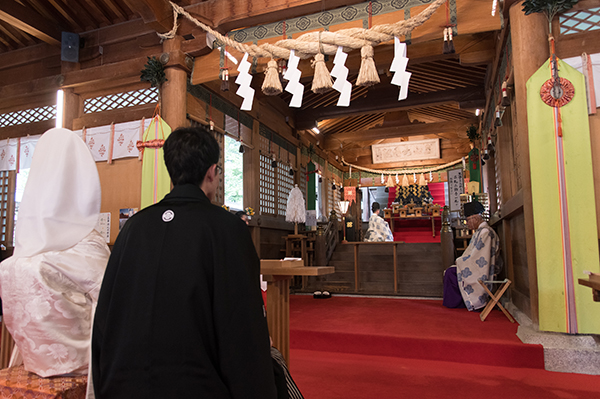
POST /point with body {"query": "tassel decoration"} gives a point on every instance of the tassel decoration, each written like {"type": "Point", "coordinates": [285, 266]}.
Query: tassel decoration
{"type": "Point", "coordinates": [498, 120]}
{"type": "Point", "coordinates": [446, 49]}
{"type": "Point", "coordinates": [450, 42]}
{"type": "Point", "coordinates": [367, 76]}
{"type": "Point", "coordinates": [505, 99]}
{"type": "Point", "coordinates": [322, 81]}
{"type": "Point", "coordinates": [272, 84]}
{"type": "Point", "coordinates": [224, 79]}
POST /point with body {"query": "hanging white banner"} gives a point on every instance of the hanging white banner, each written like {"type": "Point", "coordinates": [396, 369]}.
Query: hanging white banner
{"type": "Point", "coordinates": [8, 154]}
{"type": "Point", "coordinates": [26, 150]}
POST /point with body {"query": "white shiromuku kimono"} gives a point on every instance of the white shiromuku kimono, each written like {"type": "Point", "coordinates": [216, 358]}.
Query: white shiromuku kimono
{"type": "Point", "coordinates": [50, 286]}
{"type": "Point", "coordinates": [378, 230]}
{"type": "Point", "coordinates": [478, 262]}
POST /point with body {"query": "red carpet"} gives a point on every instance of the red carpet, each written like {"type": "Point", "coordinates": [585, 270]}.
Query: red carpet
{"type": "Point", "coordinates": [416, 230]}
{"type": "Point", "coordinates": [347, 347]}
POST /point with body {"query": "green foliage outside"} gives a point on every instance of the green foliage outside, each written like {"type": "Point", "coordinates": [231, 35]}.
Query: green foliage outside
{"type": "Point", "coordinates": [234, 174]}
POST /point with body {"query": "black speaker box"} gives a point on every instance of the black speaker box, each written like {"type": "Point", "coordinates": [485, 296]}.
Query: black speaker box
{"type": "Point", "coordinates": [69, 47]}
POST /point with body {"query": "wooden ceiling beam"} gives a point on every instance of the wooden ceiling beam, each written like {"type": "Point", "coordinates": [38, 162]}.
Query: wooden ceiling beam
{"type": "Point", "coordinates": [158, 14]}
{"type": "Point", "coordinates": [30, 22]}
{"type": "Point", "coordinates": [333, 142]}
{"type": "Point", "coordinates": [226, 15]}
{"type": "Point", "coordinates": [386, 100]}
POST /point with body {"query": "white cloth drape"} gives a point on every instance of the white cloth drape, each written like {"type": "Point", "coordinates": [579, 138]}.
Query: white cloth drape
{"type": "Point", "coordinates": [61, 201]}
{"type": "Point", "coordinates": [51, 283]}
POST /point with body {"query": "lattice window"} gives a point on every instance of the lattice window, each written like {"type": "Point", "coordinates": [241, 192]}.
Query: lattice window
{"type": "Point", "coordinates": [121, 100]}
{"type": "Point", "coordinates": [28, 116]}
{"type": "Point", "coordinates": [285, 183]}
{"type": "Point", "coordinates": [579, 21]}
{"type": "Point", "coordinates": [7, 207]}
{"type": "Point", "coordinates": [267, 186]}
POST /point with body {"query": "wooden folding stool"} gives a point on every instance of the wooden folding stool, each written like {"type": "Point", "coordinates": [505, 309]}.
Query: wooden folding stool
{"type": "Point", "coordinates": [495, 298]}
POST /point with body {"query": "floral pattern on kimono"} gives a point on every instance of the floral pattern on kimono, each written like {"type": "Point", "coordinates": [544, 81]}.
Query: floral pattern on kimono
{"type": "Point", "coordinates": [378, 230]}
{"type": "Point", "coordinates": [48, 300]}
{"type": "Point", "coordinates": [479, 262]}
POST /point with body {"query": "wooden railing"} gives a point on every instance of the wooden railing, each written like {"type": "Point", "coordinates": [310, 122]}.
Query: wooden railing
{"type": "Point", "coordinates": [327, 239]}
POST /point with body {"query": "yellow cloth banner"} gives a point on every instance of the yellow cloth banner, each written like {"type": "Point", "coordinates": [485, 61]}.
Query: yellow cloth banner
{"type": "Point", "coordinates": [576, 219]}
{"type": "Point", "coordinates": [155, 178]}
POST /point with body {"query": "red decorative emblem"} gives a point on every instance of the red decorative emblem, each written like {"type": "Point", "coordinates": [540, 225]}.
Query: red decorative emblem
{"type": "Point", "coordinates": [2, 155]}
{"type": "Point", "coordinates": [557, 95]}
{"type": "Point", "coordinates": [121, 139]}
{"type": "Point", "coordinates": [91, 143]}
{"type": "Point", "coordinates": [130, 146]}
{"type": "Point", "coordinates": [102, 150]}
{"type": "Point", "coordinates": [157, 143]}
{"type": "Point", "coordinates": [11, 160]}
{"type": "Point", "coordinates": [26, 151]}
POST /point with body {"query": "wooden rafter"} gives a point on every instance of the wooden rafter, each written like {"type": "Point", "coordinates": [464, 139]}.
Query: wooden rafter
{"type": "Point", "coordinates": [416, 129]}
{"type": "Point", "coordinates": [30, 22]}
{"type": "Point", "coordinates": [156, 13]}
{"type": "Point", "coordinates": [387, 100]}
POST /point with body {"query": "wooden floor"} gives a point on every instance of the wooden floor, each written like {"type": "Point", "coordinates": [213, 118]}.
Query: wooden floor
{"type": "Point", "coordinates": [419, 270]}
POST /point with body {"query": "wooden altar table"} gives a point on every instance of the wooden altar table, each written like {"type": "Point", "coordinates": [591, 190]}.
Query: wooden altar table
{"type": "Point", "coordinates": [278, 300]}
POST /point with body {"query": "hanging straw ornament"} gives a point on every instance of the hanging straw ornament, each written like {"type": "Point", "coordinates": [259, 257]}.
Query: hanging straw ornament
{"type": "Point", "coordinates": [405, 181]}
{"type": "Point", "coordinates": [322, 81]}
{"type": "Point", "coordinates": [272, 84]}
{"type": "Point", "coordinates": [367, 76]}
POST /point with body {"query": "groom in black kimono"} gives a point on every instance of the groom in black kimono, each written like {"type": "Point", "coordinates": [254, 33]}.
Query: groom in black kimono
{"type": "Point", "coordinates": [180, 312]}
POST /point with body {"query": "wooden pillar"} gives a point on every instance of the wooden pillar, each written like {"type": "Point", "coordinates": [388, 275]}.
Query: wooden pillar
{"type": "Point", "coordinates": [251, 182]}
{"type": "Point", "coordinates": [72, 108]}
{"type": "Point", "coordinates": [529, 35]}
{"type": "Point", "coordinates": [174, 90]}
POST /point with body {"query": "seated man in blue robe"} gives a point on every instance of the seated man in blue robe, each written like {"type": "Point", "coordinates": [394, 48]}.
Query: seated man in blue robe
{"type": "Point", "coordinates": [478, 262]}
{"type": "Point", "coordinates": [378, 230]}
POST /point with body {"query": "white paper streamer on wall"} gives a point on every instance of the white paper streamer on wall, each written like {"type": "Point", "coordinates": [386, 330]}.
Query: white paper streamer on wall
{"type": "Point", "coordinates": [8, 154]}
{"type": "Point", "coordinates": [244, 79]}
{"type": "Point", "coordinates": [399, 63]}
{"type": "Point", "coordinates": [292, 75]}
{"type": "Point", "coordinates": [341, 84]}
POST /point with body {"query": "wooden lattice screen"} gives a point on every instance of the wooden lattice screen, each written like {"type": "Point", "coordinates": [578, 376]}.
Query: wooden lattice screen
{"type": "Point", "coordinates": [285, 183]}
{"type": "Point", "coordinates": [120, 100]}
{"type": "Point", "coordinates": [7, 204]}
{"type": "Point", "coordinates": [267, 186]}
{"type": "Point", "coordinates": [30, 115]}
{"type": "Point", "coordinates": [579, 21]}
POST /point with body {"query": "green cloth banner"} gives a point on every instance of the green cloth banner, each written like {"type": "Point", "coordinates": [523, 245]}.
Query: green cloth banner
{"type": "Point", "coordinates": [566, 236]}
{"type": "Point", "coordinates": [156, 182]}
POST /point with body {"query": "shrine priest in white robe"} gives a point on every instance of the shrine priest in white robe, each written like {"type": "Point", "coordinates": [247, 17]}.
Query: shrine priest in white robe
{"type": "Point", "coordinates": [478, 262]}
{"type": "Point", "coordinates": [49, 287]}
{"type": "Point", "coordinates": [378, 230]}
